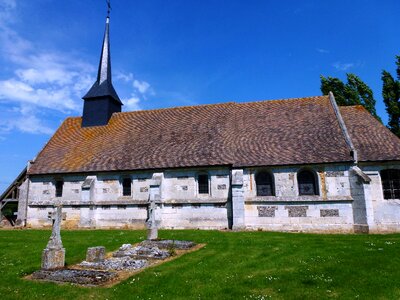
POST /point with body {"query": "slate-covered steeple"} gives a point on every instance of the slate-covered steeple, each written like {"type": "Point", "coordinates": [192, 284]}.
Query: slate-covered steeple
{"type": "Point", "coordinates": [101, 101]}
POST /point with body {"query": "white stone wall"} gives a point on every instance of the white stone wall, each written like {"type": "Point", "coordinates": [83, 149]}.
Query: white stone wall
{"type": "Point", "coordinates": [181, 185]}
{"type": "Point", "coordinates": [344, 202]}
{"type": "Point", "coordinates": [313, 217]}
{"type": "Point", "coordinates": [198, 216]}
{"type": "Point", "coordinates": [384, 214]}
{"type": "Point", "coordinates": [330, 211]}
{"type": "Point", "coordinates": [333, 182]}
{"type": "Point", "coordinates": [104, 206]}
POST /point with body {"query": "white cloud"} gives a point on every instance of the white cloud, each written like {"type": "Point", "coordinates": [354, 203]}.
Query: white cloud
{"type": "Point", "coordinates": [25, 120]}
{"type": "Point", "coordinates": [16, 91]}
{"type": "Point", "coordinates": [141, 86]}
{"type": "Point", "coordinates": [323, 51]}
{"type": "Point", "coordinates": [342, 66]}
{"type": "Point", "coordinates": [126, 77]}
{"type": "Point", "coordinates": [46, 81]}
{"type": "Point", "coordinates": [132, 103]}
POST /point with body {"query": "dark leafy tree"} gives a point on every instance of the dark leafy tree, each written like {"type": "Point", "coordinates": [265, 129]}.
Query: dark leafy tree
{"type": "Point", "coordinates": [336, 86]}
{"type": "Point", "coordinates": [391, 98]}
{"type": "Point", "coordinates": [354, 92]}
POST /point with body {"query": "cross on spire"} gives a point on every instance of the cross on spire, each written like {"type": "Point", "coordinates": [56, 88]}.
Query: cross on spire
{"type": "Point", "coordinates": [108, 8]}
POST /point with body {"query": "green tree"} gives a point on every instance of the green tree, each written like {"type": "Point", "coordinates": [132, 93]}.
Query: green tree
{"type": "Point", "coordinates": [391, 98]}
{"type": "Point", "coordinates": [354, 92]}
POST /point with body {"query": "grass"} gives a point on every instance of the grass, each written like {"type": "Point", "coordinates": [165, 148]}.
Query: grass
{"type": "Point", "coordinates": [233, 265]}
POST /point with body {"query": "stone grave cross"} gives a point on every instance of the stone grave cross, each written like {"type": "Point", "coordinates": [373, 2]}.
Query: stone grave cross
{"type": "Point", "coordinates": [53, 256]}
{"type": "Point", "coordinates": [152, 232]}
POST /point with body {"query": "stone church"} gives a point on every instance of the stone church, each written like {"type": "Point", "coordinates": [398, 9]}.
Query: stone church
{"type": "Point", "coordinates": [301, 164]}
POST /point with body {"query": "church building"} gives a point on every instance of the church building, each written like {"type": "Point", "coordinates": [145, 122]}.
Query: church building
{"type": "Point", "coordinates": [300, 164]}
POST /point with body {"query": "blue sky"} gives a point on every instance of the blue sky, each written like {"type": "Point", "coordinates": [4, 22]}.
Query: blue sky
{"type": "Point", "coordinates": [178, 52]}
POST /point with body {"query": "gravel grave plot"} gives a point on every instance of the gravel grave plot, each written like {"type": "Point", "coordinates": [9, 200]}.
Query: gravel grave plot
{"type": "Point", "coordinates": [81, 277]}
{"type": "Point", "coordinates": [118, 265]}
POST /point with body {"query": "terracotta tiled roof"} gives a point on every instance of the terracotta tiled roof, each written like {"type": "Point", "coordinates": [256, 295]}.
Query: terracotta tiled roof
{"type": "Point", "coordinates": [372, 140]}
{"type": "Point", "coordinates": [279, 132]}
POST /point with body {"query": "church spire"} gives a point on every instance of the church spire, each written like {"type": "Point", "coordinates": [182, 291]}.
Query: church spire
{"type": "Point", "coordinates": [103, 85]}
{"type": "Point", "coordinates": [101, 101]}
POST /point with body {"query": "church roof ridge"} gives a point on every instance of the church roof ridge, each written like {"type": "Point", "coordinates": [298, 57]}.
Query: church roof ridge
{"type": "Point", "coordinates": [219, 104]}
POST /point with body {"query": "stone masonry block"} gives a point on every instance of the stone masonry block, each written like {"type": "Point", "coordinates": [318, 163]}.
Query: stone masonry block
{"type": "Point", "coordinates": [329, 213]}
{"type": "Point", "coordinates": [297, 211]}
{"type": "Point", "coordinates": [95, 254]}
{"type": "Point", "coordinates": [53, 259]}
{"type": "Point", "coordinates": [267, 211]}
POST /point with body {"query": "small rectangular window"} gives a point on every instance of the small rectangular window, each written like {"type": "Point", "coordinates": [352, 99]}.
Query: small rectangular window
{"type": "Point", "coordinates": [59, 188]}
{"type": "Point", "coordinates": [203, 183]}
{"type": "Point", "coordinates": [126, 187]}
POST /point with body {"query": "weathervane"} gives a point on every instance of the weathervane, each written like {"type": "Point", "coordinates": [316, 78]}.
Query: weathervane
{"type": "Point", "coordinates": [108, 7]}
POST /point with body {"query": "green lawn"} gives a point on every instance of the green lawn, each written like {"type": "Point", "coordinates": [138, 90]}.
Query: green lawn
{"type": "Point", "coordinates": [233, 265]}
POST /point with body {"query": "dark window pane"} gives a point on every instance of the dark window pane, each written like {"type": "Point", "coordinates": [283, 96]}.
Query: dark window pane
{"type": "Point", "coordinates": [391, 184]}
{"type": "Point", "coordinates": [264, 184]}
{"type": "Point", "coordinates": [307, 183]}
{"type": "Point", "coordinates": [387, 194]}
{"type": "Point", "coordinates": [59, 188]}
{"type": "Point", "coordinates": [126, 187]}
{"type": "Point", "coordinates": [203, 184]}
{"type": "Point", "coordinates": [264, 190]}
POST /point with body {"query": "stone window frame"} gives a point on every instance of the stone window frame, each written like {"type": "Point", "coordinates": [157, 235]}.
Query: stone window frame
{"type": "Point", "coordinates": [271, 175]}
{"type": "Point", "coordinates": [203, 173]}
{"type": "Point", "coordinates": [122, 180]}
{"type": "Point", "coordinates": [317, 189]}
{"type": "Point", "coordinates": [394, 184]}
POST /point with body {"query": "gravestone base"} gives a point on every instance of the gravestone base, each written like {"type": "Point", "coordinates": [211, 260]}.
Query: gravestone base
{"type": "Point", "coordinates": [95, 254]}
{"type": "Point", "coordinates": [53, 259]}
{"type": "Point", "coordinates": [152, 234]}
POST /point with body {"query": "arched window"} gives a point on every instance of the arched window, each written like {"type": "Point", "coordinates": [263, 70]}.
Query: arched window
{"type": "Point", "coordinates": [307, 183]}
{"type": "Point", "coordinates": [265, 184]}
{"type": "Point", "coordinates": [202, 180]}
{"type": "Point", "coordinates": [391, 183]}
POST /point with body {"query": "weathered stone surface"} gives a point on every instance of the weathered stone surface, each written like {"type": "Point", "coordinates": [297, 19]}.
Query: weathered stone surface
{"type": "Point", "coordinates": [266, 211]}
{"type": "Point", "coordinates": [334, 173]}
{"type": "Point", "coordinates": [141, 251]}
{"type": "Point", "coordinates": [297, 211]}
{"type": "Point", "coordinates": [152, 230]}
{"type": "Point", "coordinates": [116, 264]}
{"type": "Point", "coordinates": [345, 191]}
{"type": "Point", "coordinates": [55, 238]}
{"type": "Point", "coordinates": [84, 277]}
{"type": "Point", "coordinates": [53, 258]}
{"type": "Point", "coordinates": [237, 177]}
{"type": "Point", "coordinates": [329, 213]}
{"type": "Point", "coordinates": [168, 244]}
{"type": "Point", "coordinates": [95, 254]}
{"type": "Point", "coordinates": [152, 233]}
